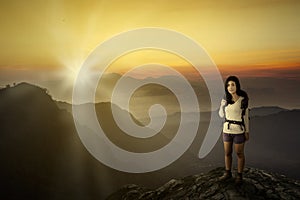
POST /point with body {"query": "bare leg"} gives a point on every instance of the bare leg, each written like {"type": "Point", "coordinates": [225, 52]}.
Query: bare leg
{"type": "Point", "coordinates": [228, 161]}
{"type": "Point", "coordinates": [239, 149]}
{"type": "Point", "coordinates": [228, 155]}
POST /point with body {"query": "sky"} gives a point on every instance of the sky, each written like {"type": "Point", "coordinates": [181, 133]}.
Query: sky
{"type": "Point", "coordinates": [47, 41]}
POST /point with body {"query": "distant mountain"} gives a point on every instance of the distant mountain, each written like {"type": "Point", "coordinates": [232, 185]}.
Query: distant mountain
{"type": "Point", "coordinates": [258, 184]}
{"type": "Point", "coordinates": [266, 110]}
{"type": "Point", "coordinates": [261, 90]}
{"type": "Point", "coordinates": [273, 139]}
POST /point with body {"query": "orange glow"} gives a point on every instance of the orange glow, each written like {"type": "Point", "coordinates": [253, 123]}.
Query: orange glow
{"type": "Point", "coordinates": [250, 35]}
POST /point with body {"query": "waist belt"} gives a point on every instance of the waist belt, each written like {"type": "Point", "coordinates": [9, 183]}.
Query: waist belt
{"type": "Point", "coordinates": [241, 123]}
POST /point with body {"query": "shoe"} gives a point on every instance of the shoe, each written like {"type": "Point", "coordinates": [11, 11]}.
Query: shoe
{"type": "Point", "coordinates": [226, 175]}
{"type": "Point", "coordinates": [239, 179]}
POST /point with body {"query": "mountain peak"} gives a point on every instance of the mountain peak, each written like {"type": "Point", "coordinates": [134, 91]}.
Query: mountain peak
{"type": "Point", "coordinates": [23, 86]}
{"type": "Point", "coordinates": [26, 98]}
{"type": "Point", "coordinates": [258, 184]}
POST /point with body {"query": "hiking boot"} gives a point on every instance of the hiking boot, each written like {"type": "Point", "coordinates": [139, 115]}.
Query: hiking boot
{"type": "Point", "coordinates": [226, 175]}
{"type": "Point", "coordinates": [239, 179]}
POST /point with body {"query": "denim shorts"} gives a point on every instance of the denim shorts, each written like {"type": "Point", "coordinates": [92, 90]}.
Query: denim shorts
{"type": "Point", "coordinates": [235, 138]}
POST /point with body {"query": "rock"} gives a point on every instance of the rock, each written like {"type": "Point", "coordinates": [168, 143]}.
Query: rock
{"type": "Point", "coordinates": [257, 184]}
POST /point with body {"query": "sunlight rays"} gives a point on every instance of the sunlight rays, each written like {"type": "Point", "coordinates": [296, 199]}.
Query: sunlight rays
{"type": "Point", "coordinates": [73, 44]}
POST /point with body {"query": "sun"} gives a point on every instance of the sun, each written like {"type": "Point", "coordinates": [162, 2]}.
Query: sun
{"type": "Point", "coordinates": [69, 72]}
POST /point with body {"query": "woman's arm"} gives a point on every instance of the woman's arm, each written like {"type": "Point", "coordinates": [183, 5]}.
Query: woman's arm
{"type": "Point", "coordinates": [246, 121]}
{"type": "Point", "coordinates": [221, 110]}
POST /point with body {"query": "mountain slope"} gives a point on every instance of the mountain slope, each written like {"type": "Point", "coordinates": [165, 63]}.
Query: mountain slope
{"type": "Point", "coordinates": [275, 142]}
{"type": "Point", "coordinates": [42, 156]}
{"type": "Point", "coordinates": [258, 184]}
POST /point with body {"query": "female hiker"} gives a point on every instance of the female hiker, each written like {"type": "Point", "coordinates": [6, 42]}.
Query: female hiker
{"type": "Point", "coordinates": [234, 107]}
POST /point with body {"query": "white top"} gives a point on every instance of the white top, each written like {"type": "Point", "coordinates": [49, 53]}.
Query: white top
{"type": "Point", "coordinates": [234, 112]}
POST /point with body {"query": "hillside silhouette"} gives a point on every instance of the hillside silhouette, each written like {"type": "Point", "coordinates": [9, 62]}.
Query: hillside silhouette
{"type": "Point", "coordinates": [43, 157]}
{"type": "Point", "coordinates": [39, 149]}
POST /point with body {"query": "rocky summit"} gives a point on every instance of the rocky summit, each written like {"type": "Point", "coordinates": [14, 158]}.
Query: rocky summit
{"type": "Point", "coordinates": [257, 184]}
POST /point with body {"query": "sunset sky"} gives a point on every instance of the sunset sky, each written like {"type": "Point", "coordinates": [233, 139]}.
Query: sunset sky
{"type": "Point", "coordinates": [48, 40]}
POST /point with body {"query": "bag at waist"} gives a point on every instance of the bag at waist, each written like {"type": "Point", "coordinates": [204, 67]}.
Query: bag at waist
{"type": "Point", "coordinates": [241, 123]}
{"type": "Point", "coordinates": [234, 122]}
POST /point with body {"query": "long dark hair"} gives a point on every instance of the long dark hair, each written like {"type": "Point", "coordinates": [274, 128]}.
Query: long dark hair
{"type": "Point", "coordinates": [239, 91]}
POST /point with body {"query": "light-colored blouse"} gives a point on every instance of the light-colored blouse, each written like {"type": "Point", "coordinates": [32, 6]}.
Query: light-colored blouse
{"type": "Point", "coordinates": [233, 112]}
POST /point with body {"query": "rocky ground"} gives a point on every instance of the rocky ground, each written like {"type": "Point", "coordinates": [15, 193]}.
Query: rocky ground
{"type": "Point", "coordinates": [257, 184]}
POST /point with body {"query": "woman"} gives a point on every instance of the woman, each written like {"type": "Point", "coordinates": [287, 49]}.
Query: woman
{"type": "Point", "coordinates": [235, 127]}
